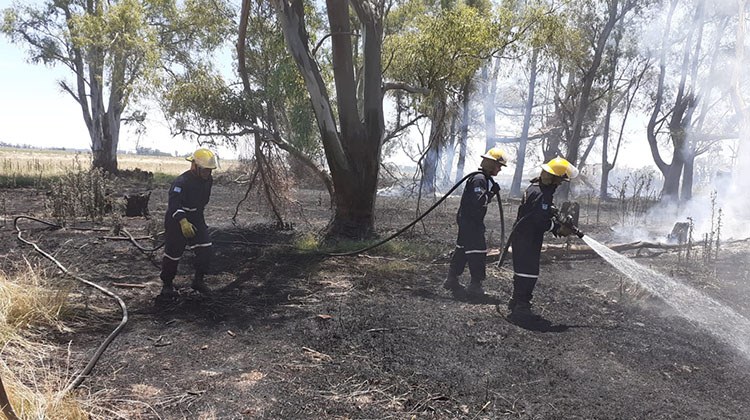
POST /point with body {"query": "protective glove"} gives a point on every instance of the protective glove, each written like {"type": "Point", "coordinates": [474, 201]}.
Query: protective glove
{"type": "Point", "coordinates": [495, 189]}
{"type": "Point", "coordinates": [188, 230]}
{"type": "Point", "coordinates": [563, 230]}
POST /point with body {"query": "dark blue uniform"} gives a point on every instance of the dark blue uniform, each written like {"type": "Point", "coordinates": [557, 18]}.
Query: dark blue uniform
{"type": "Point", "coordinates": [534, 219]}
{"type": "Point", "coordinates": [471, 246]}
{"type": "Point", "coordinates": [188, 196]}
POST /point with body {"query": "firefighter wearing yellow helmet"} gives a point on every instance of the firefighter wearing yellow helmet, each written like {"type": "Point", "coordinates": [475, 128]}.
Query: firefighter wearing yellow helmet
{"type": "Point", "coordinates": [471, 246]}
{"type": "Point", "coordinates": [185, 224]}
{"type": "Point", "coordinates": [535, 217]}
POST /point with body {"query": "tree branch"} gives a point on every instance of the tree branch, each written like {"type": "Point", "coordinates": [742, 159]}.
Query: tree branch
{"type": "Point", "coordinates": [405, 87]}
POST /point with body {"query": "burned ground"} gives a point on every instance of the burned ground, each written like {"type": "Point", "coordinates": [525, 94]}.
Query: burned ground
{"type": "Point", "coordinates": [290, 334]}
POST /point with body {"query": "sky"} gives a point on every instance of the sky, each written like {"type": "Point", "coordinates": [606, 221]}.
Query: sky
{"type": "Point", "coordinates": [35, 111]}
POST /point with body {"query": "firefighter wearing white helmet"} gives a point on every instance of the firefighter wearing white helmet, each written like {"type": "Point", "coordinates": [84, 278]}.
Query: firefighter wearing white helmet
{"type": "Point", "coordinates": [185, 224]}
{"type": "Point", "coordinates": [471, 246]}
{"type": "Point", "coordinates": [535, 217]}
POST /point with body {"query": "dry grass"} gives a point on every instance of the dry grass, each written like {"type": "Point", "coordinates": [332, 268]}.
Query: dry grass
{"type": "Point", "coordinates": [41, 164]}
{"type": "Point", "coordinates": [33, 381]}
{"type": "Point", "coordinates": [24, 302]}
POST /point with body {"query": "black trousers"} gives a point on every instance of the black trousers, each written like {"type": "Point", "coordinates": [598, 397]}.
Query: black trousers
{"type": "Point", "coordinates": [471, 249]}
{"type": "Point", "coordinates": [527, 249]}
{"type": "Point", "coordinates": [175, 245]}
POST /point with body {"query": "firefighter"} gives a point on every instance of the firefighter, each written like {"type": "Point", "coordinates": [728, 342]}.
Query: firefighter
{"type": "Point", "coordinates": [471, 246]}
{"type": "Point", "coordinates": [185, 225]}
{"type": "Point", "coordinates": [535, 217]}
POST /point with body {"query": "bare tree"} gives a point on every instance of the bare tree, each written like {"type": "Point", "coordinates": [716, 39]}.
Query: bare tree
{"type": "Point", "coordinates": [616, 10]}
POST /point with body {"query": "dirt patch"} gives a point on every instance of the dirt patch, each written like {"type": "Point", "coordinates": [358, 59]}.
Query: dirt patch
{"type": "Point", "coordinates": [290, 334]}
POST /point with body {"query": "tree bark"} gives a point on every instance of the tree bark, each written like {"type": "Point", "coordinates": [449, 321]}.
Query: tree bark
{"type": "Point", "coordinates": [463, 136]}
{"type": "Point", "coordinates": [436, 143]}
{"type": "Point", "coordinates": [489, 87]}
{"type": "Point", "coordinates": [353, 153]}
{"type": "Point", "coordinates": [450, 151]}
{"type": "Point", "coordinates": [515, 187]}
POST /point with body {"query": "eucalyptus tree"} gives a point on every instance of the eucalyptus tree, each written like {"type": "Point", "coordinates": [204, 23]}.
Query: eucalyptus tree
{"type": "Point", "coordinates": [597, 19]}
{"type": "Point", "coordinates": [114, 51]}
{"type": "Point", "coordinates": [625, 75]}
{"type": "Point", "coordinates": [683, 89]}
{"type": "Point", "coordinates": [440, 52]}
{"type": "Point", "coordinates": [352, 128]}
{"type": "Point", "coordinates": [265, 106]}
{"type": "Point", "coordinates": [546, 37]}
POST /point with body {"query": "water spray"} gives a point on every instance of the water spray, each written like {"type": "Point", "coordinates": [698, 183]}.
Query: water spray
{"type": "Point", "coordinates": [718, 319]}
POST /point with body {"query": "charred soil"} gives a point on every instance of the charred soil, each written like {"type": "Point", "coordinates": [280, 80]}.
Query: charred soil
{"type": "Point", "coordinates": [291, 334]}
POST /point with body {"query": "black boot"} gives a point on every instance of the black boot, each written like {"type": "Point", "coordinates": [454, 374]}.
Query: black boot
{"type": "Point", "coordinates": [524, 317]}
{"type": "Point", "coordinates": [523, 291]}
{"type": "Point", "coordinates": [451, 283]}
{"type": "Point", "coordinates": [168, 292]}
{"type": "Point", "coordinates": [199, 286]}
{"type": "Point", "coordinates": [475, 289]}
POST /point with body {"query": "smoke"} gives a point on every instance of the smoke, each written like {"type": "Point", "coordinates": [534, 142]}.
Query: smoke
{"type": "Point", "coordinates": [723, 210]}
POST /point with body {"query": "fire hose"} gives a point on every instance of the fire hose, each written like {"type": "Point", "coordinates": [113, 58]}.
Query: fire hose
{"type": "Point", "coordinates": [102, 347]}
{"type": "Point", "coordinates": [422, 216]}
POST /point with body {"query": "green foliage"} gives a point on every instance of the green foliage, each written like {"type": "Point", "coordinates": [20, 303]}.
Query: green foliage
{"type": "Point", "coordinates": [200, 101]}
{"type": "Point", "coordinates": [442, 51]}
{"type": "Point", "coordinates": [117, 50]}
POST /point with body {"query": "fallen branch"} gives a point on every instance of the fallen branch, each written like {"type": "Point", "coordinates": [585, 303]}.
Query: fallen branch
{"type": "Point", "coordinates": [584, 251]}
{"type": "Point", "coordinates": [122, 238]}
{"type": "Point", "coordinates": [131, 285]}
{"type": "Point", "coordinates": [391, 329]}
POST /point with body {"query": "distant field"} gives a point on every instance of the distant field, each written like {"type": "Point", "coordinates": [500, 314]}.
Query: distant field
{"type": "Point", "coordinates": [22, 166]}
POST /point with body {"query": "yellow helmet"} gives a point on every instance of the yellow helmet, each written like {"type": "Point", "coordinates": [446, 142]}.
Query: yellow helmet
{"type": "Point", "coordinates": [497, 155]}
{"type": "Point", "coordinates": [561, 167]}
{"type": "Point", "coordinates": [203, 158]}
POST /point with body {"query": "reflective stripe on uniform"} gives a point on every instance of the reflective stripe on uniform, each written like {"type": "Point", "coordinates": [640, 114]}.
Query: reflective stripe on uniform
{"type": "Point", "coordinates": [476, 251]}
{"type": "Point", "coordinates": [172, 258]}
{"type": "Point", "coordinates": [551, 226]}
{"type": "Point", "coordinates": [199, 245]}
{"type": "Point", "coordinates": [178, 211]}
{"type": "Point", "coordinates": [460, 246]}
{"type": "Point", "coordinates": [530, 276]}
{"type": "Point", "coordinates": [189, 209]}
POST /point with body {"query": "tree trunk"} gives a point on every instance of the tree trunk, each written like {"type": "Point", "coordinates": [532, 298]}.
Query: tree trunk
{"type": "Point", "coordinates": [464, 134]}
{"type": "Point", "coordinates": [436, 143]}
{"type": "Point", "coordinates": [587, 82]}
{"type": "Point", "coordinates": [489, 87]}
{"type": "Point", "coordinates": [515, 187]}
{"type": "Point", "coordinates": [104, 150]}
{"type": "Point", "coordinates": [687, 177]}
{"type": "Point", "coordinates": [604, 184]}
{"type": "Point", "coordinates": [450, 152]}
{"type": "Point", "coordinates": [651, 127]}
{"type": "Point", "coordinates": [104, 129]}
{"type": "Point", "coordinates": [354, 215]}
{"type": "Point", "coordinates": [353, 153]}
{"type": "Point", "coordinates": [606, 167]}
{"type": "Point", "coordinates": [671, 189]}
